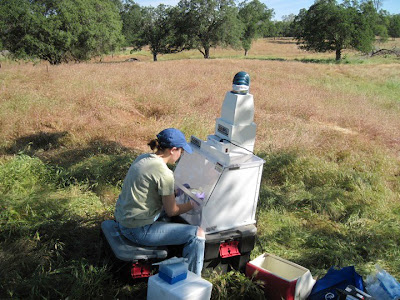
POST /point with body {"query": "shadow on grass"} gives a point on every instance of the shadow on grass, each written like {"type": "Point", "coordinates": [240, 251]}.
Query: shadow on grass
{"type": "Point", "coordinates": [51, 251]}
{"type": "Point", "coordinates": [61, 259]}
{"type": "Point", "coordinates": [321, 61]}
{"type": "Point", "coordinates": [304, 60]}
{"type": "Point", "coordinates": [52, 148]}
{"type": "Point", "coordinates": [267, 58]}
{"type": "Point", "coordinates": [50, 246]}
{"type": "Point", "coordinates": [39, 141]}
{"type": "Point", "coordinates": [283, 42]}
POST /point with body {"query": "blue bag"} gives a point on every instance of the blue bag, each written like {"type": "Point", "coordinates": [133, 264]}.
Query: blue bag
{"type": "Point", "coordinates": [325, 288]}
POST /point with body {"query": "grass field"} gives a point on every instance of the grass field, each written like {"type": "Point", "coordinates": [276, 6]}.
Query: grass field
{"type": "Point", "coordinates": [329, 133]}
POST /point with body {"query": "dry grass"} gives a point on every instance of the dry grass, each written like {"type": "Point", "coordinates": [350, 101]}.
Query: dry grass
{"type": "Point", "coordinates": [268, 48]}
{"type": "Point", "coordinates": [285, 48]}
{"type": "Point", "coordinates": [332, 202]}
{"type": "Point", "coordinates": [312, 106]}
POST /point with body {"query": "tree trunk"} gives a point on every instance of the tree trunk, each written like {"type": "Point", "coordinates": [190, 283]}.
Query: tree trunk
{"type": "Point", "coordinates": [338, 54]}
{"type": "Point", "coordinates": [245, 52]}
{"type": "Point", "coordinates": [206, 52]}
{"type": "Point", "coordinates": [154, 56]}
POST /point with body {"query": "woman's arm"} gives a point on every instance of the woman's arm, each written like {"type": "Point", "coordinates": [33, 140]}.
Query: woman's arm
{"type": "Point", "coordinates": [172, 209]}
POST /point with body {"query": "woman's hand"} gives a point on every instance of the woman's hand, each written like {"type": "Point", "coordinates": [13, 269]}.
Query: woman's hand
{"type": "Point", "coordinates": [172, 209]}
{"type": "Point", "coordinates": [197, 203]}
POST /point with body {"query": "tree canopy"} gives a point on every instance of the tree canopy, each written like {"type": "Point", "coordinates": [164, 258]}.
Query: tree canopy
{"type": "Point", "coordinates": [77, 30]}
{"type": "Point", "coordinates": [256, 19]}
{"type": "Point", "coordinates": [328, 26]}
{"type": "Point", "coordinates": [209, 23]}
{"type": "Point", "coordinates": [132, 23]}
{"type": "Point", "coordinates": [394, 26]}
{"type": "Point", "coordinates": [60, 31]}
{"type": "Point", "coordinates": [159, 31]}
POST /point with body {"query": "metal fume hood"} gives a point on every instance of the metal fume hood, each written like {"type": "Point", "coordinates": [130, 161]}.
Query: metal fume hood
{"type": "Point", "coordinates": [224, 166]}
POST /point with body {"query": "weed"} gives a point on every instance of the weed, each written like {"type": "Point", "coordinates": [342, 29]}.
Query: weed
{"type": "Point", "coordinates": [234, 285]}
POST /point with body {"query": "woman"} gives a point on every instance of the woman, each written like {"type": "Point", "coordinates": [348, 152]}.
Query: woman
{"type": "Point", "coordinates": [148, 189]}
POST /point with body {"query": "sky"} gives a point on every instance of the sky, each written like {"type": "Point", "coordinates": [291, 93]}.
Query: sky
{"type": "Point", "coordinates": [281, 7]}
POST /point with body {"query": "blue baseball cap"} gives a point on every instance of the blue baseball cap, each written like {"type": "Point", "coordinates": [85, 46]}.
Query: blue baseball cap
{"type": "Point", "coordinates": [172, 137]}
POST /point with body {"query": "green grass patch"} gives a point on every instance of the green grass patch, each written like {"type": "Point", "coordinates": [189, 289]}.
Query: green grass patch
{"type": "Point", "coordinates": [234, 285]}
{"type": "Point", "coordinates": [49, 239]}
{"type": "Point", "coordinates": [385, 87]}
{"type": "Point", "coordinates": [334, 210]}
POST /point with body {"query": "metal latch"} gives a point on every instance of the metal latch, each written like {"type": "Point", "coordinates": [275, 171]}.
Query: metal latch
{"type": "Point", "coordinates": [229, 249]}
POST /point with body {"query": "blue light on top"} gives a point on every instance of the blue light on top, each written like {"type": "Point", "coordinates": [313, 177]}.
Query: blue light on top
{"type": "Point", "coordinates": [241, 83]}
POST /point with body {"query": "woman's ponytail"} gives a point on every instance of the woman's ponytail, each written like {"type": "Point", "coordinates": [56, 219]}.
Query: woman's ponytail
{"type": "Point", "coordinates": [155, 145]}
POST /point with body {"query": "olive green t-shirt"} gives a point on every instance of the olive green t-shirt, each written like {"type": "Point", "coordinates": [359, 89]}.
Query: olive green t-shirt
{"type": "Point", "coordinates": [140, 201]}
